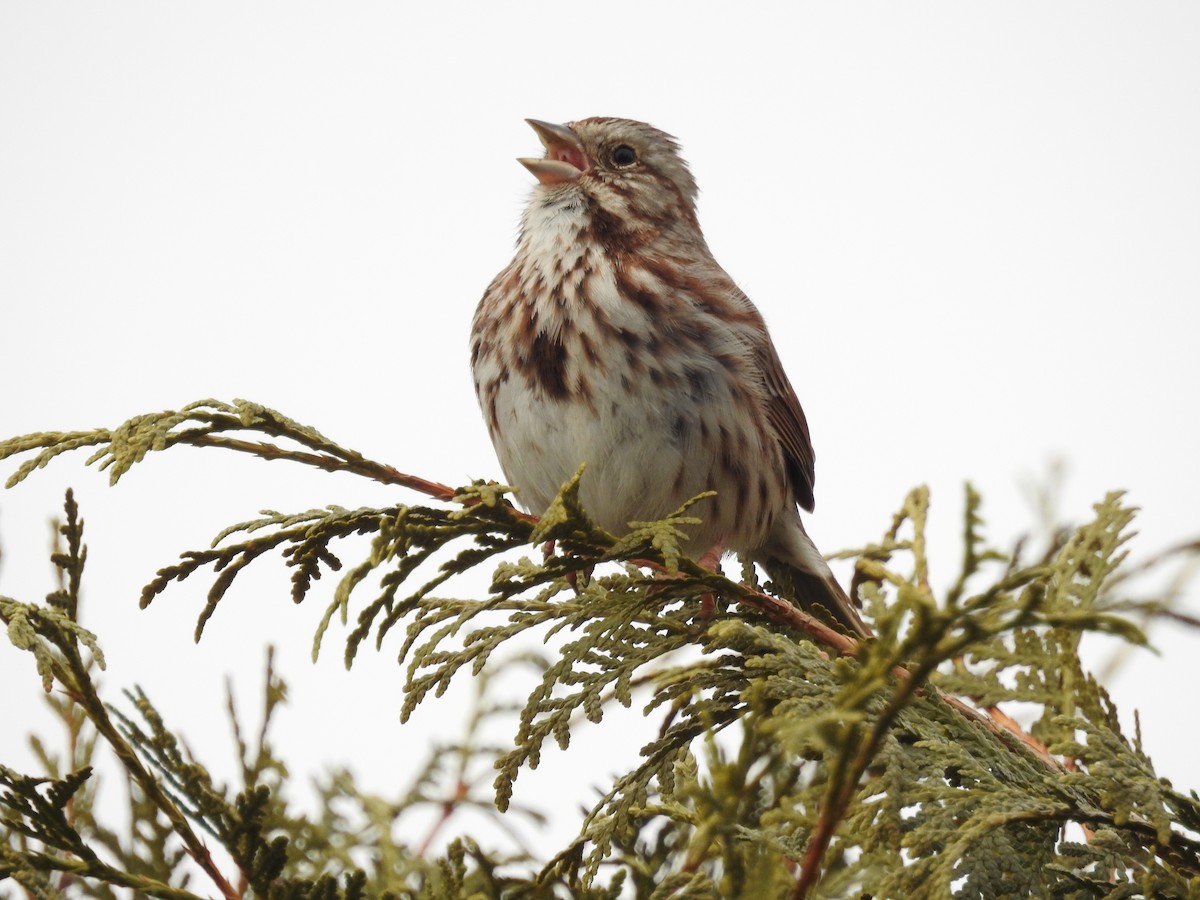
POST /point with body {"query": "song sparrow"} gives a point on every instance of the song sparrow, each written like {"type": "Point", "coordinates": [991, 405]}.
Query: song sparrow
{"type": "Point", "coordinates": [614, 339]}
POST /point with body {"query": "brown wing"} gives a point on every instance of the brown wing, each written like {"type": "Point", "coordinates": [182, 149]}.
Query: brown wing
{"type": "Point", "coordinates": [784, 414]}
{"type": "Point", "coordinates": [787, 418]}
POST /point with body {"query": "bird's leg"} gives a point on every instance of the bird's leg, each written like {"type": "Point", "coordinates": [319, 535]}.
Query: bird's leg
{"type": "Point", "coordinates": [711, 560]}
{"type": "Point", "coordinates": [572, 577]}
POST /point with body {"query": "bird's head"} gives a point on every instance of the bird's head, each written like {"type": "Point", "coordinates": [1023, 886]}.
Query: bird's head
{"type": "Point", "coordinates": [630, 173]}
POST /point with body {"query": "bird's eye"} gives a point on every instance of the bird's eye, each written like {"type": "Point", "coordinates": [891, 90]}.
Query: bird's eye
{"type": "Point", "coordinates": [624, 155]}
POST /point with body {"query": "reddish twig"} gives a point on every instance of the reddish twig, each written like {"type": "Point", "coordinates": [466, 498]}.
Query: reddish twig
{"type": "Point", "coordinates": [461, 789]}
{"type": "Point", "coordinates": [782, 612]}
{"type": "Point", "coordinates": [85, 695]}
{"type": "Point", "coordinates": [357, 465]}
{"type": "Point", "coordinates": [834, 809]}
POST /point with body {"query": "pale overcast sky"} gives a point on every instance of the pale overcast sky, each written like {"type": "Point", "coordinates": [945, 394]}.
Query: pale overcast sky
{"type": "Point", "coordinates": [973, 230]}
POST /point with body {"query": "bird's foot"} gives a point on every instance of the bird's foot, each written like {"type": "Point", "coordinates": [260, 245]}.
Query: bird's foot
{"type": "Point", "coordinates": [710, 560]}
{"type": "Point", "coordinates": [572, 577]}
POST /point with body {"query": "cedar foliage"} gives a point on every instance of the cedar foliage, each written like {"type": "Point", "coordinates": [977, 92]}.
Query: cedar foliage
{"type": "Point", "coordinates": [790, 760]}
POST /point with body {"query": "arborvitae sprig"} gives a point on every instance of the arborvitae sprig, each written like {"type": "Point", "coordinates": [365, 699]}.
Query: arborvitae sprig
{"type": "Point", "coordinates": [50, 838]}
{"type": "Point", "coordinates": [789, 758]}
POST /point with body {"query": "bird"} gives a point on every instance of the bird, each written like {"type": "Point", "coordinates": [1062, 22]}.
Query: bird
{"type": "Point", "coordinates": [614, 340]}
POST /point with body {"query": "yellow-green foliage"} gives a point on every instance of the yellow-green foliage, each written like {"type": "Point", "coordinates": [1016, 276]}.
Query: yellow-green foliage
{"type": "Point", "coordinates": [788, 761]}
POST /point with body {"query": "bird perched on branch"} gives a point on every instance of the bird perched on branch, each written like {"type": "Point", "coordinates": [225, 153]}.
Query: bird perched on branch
{"type": "Point", "coordinates": [614, 339]}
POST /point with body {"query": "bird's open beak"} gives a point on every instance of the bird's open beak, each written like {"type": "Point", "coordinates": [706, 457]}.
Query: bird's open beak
{"type": "Point", "coordinates": [565, 160]}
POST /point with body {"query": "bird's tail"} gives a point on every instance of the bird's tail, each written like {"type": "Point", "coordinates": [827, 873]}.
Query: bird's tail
{"type": "Point", "coordinates": [820, 596]}
{"type": "Point", "coordinates": [801, 575]}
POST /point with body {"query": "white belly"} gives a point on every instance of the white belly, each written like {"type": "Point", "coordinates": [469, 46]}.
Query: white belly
{"type": "Point", "coordinates": [646, 454]}
{"type": "Point", "coordinates": [633, 464]}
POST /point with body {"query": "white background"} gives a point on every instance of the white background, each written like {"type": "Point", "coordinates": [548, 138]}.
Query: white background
{"type": "Point", "coordinates": [972, 229]}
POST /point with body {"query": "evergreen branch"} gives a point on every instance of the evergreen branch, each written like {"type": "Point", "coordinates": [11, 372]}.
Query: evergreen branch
{"type": "Point", "coordinates": [66, 665]}
{"type": "Point", "coordinates": [936, 636]}
{"type": "Point", "coordinates": [975, 551]}
{"type": "Point", "coordinates": [343, 461]}
{"type": "Point", "coordinates": [1001, 726]}
{"type": "Point", "coordinates": [204, 424]}
{"type": "Point", "coordinates": [84, 693]}
{"type": "Point", "coordinates": [861, 764]}
{"type": "Point", "coordinates": [305, 538]}
{"type": "Point", "coordinates": [31, 863]}
{"type": "Point", "coordinates": [852, 762]}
